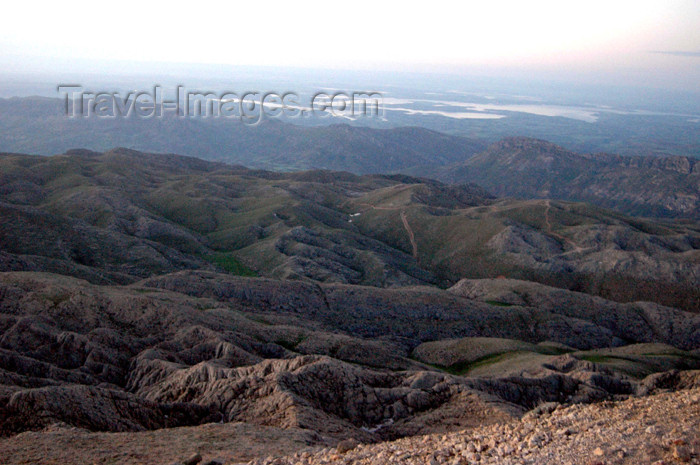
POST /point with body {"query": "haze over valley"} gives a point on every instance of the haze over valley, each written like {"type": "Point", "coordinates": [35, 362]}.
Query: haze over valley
{"type": "Point", "coordinates": [370, 234]}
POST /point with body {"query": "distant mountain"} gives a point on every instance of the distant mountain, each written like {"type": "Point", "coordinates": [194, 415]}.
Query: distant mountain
{"type": "Point", "coordinates": [39, 126]}
{"type": "Point", "coordinates": [518, 167]}
{"type": "Point", "coordinates": [531, 168]}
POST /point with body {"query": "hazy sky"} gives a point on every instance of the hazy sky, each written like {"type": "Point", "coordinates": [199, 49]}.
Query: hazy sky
{"type": "Point", "coordinates": [611, 38]}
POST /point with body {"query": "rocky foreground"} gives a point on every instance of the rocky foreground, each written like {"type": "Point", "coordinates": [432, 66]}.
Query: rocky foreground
{"type": "Point", "coordinates": [660, 429]}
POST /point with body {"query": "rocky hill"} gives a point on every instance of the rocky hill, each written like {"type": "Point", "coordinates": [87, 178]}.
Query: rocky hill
{"type": "Point", "coordinates": [531, 168]}
{"type": "Point", "coordinates": [121, 216]}
{"type": "Point", "coordinates": [159, 304]}
{"type": "Point", "coordinates": [340, 360]}
{"type": "Point", "coordinates": [654, 430]}
{"type": "Point", "coordinates": [659, 429]}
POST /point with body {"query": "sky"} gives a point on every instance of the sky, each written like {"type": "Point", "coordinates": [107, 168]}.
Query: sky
{"type": "Point", "coordinates": [644, 42]}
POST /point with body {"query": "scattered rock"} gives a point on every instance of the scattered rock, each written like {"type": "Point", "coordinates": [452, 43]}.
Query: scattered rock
{"type": "Point", "coordinates": [193, 460]}
{"type": "Point", "coordinates": [532, 442]}
{"type": "Point", "coordinates": [681, 453]}
{"type": "Point", "coordinates": [346, 445]}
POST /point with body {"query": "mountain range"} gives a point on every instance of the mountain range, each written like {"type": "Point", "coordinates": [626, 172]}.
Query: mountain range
{"type": "Point", "coordinates": [518, 167]}
{"type": "Point", "coordinates": [238, 313]}
{"type": "Point", "coordinates": [39, 125]}
{"type": "Point", "coordinates": [122, 215]}
{"type": "Point", "coordinates": [530, 168]}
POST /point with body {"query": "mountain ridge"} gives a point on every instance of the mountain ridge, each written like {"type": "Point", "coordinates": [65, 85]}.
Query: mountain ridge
{"type": "Point", "coordinates": [533, 168]}
{"type": "Point", "coordinates": [271, 144]}
{"type": "Point", "coordinates": [156, 295]}
{"type": "Point", "coordinates": [124, 215]}
{"type": "Point", "coordinates": [522, 167]}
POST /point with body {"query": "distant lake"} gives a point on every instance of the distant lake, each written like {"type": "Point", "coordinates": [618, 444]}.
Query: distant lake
{"type": "Point", "coordinates": [492, 110]}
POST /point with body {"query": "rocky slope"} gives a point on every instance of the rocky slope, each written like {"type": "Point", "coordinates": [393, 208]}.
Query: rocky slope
{"type": "Point", "coordinates": [121, 216]}
{"type": "Point", "coordinates": [657, 429]}
{"type": "Point", "coordinates": [122, 310]}
{"type": "Point", "coordinates": [661, 429]}
{"type": "Point", "coordinates": [196, 347]}
{"type": "Point", "coordinates": [530, 168]}
{"type": "Point", "coordinates": [223, 443]}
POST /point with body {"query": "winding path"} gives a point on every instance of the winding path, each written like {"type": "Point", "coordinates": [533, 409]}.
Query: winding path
{"type": "Point", "coordinates": [548, 227]}
{"type": "Point", "coordinates": [411, 236]}
{"type": "Point", "coordinates": [406, 225]}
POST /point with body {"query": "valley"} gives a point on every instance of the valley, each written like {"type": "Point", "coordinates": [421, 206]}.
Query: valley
{"type": "Point", "coordinates": [167, 297]}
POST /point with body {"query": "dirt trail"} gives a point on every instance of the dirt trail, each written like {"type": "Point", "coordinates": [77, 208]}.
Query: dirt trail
{"type": "Point", "coordinates": [411, 236]}
{"type": "Point", "coordinates": [406, 225]}
{"type": "Point", "coordinates": [548, 224]}
{"type": "Point", "coordinates": [548, 227]}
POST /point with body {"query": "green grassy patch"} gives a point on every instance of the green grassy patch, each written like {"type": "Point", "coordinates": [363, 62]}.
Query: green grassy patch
{"type": "Point", "coordinates": [545, 349]}
{"type": "Point", "coordinates": [230, 264]}
{"type": "Point", "coordinates": [498, 303]}
{"type": "Point", "coordinates": [140, 290]}
{"type": "Point", "coordinates": [291, 345]}
{"type": "Point", "coordinates": [56, 298]}
{"type": "Point", "coordinates": [258, 319]}
{"type": "Point", "coordinates": [463, 368]}
{"type": "Point", "coordinates": [598, 358]}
